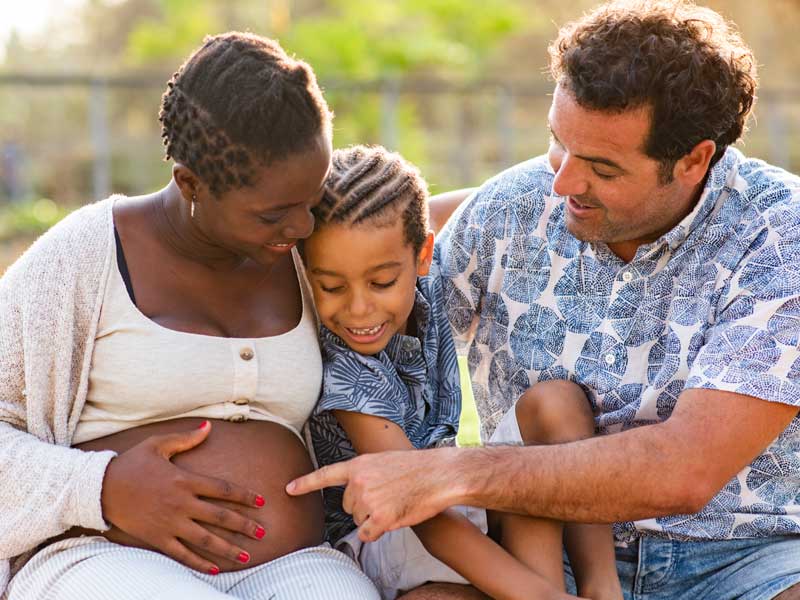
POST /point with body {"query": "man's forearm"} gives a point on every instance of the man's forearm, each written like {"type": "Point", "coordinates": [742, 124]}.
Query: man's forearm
{"type": "Point", "coordinates": [641, 473]}
{"type": "Point", "coordinates": [674, 467]}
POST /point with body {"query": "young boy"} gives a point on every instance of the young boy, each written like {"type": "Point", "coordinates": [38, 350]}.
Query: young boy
{"type": "Point", "coordinates": [391, 382]}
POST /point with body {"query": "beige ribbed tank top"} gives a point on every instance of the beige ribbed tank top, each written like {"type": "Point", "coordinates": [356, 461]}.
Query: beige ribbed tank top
{"type": "Point", "coordinates": [142, 372]}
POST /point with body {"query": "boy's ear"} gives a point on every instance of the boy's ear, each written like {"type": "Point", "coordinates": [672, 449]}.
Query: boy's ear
{"type": "Point", "coordinates": [425, 256]}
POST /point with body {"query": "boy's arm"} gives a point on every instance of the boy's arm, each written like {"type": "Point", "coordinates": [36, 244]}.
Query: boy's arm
{"type": "Point", "coordinates": [449, 536]}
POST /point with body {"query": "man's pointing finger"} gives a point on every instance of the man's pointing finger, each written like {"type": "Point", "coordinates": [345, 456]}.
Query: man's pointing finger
{"type": "Point", "coordinates": [336, 474]}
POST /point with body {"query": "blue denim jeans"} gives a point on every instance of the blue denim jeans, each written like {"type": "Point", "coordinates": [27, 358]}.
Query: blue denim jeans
{"type": "Point", "coordinates": [754, 569]}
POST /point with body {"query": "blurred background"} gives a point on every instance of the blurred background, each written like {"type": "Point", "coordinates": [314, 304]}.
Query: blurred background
{"type": "Point", "coordinates": [457, 86]}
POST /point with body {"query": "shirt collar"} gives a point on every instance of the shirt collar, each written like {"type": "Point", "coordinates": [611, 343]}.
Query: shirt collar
{"type": "Point", "coordinates": [715, 189]}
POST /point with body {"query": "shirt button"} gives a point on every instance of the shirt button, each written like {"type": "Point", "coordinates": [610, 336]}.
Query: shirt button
{"type": "Point", "coordinates": [627, 276]}
{"type": "Point", "coordinates": [241, 401]}
{"type": "Point", "coordinates": [410, 345]}
{"type": "Point", "coordinates": [246, 354]}
{"type": "Point", "coordinates": [609, 358]}
{"type": "Point", "coordinates": [238, 418]}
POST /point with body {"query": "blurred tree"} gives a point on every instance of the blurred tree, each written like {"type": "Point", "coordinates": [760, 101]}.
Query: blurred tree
{"type": "Point", "coordinates": [389, 46]}
{"type": "Point", "coordinates": [391, 38]}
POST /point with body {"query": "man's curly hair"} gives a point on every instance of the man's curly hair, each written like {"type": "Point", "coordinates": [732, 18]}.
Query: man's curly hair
{"type": "Point", "coordinates": [240, 102]}
{"type": "Point", "coordinates": [683, 62]}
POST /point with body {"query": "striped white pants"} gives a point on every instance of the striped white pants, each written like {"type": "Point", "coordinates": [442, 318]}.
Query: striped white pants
{"type": "Point", "coordinates": [92, 568]}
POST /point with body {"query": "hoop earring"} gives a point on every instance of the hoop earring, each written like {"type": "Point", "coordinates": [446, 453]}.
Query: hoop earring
{"type": "Point", "coordinates": [191, 210]}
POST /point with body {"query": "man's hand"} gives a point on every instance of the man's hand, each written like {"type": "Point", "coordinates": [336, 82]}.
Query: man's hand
{"type": "Point", "coordinates": [148, 497]}
{"type": "Point", "coordinates": [388, 490]}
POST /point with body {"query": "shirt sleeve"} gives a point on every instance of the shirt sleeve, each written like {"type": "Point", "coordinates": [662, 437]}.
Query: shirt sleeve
{"type": "Point", "coordinates": [45, 488]}
{"type": "Point", "coordinates": [752, 348]}
{"type": "Point", "coordinates": [463, 264]}
{"type": "Point", "coordinates": [362, 384]}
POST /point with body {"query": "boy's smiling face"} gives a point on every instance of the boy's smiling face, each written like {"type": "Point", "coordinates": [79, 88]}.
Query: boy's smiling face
{"type": "Point", "coordinates": [364, 281]}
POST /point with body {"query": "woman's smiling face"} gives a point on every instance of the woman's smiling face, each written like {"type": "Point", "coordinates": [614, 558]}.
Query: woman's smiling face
{"type": "Point", "coordinates": [265, 220]}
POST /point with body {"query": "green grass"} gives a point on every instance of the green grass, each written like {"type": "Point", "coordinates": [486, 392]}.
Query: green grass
{"type": "Point", "coordinates": [30, 217]}
{"type": "Point", "coordinates": [469, 425]}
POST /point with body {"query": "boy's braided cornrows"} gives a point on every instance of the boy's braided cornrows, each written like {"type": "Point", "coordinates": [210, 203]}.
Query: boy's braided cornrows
{"type": "Point", "coordinates": [371, 184]}
{"type": "Point", "coordinates": [238, 102]}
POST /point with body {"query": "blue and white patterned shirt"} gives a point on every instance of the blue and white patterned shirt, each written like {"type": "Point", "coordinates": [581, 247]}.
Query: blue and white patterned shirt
{"type": "Point", "coordinates": [413, 383]}
{"type": "Point", "coordinates": [714, 303]}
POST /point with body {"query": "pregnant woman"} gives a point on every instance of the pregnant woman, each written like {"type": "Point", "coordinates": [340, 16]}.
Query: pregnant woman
{"type": "Point", "coordinates": [158, 358]}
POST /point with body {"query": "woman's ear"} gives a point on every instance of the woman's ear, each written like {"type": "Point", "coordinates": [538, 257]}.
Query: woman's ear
{"type": "Point", "coordinates": [425, 256]}
{"type": "Point", "coordinates": [187, 181]}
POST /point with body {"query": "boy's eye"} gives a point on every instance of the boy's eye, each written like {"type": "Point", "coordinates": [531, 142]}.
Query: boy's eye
{"type": "Point", "coordinates": [331, 290]}
{"type": "Point", "coordinates": [383, 286]}
{"type": "Point", "coordinates": [271, 220]}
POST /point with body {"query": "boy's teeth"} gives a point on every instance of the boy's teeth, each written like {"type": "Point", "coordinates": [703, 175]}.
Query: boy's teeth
{"type": "Point", "coordinates": [370, 331]}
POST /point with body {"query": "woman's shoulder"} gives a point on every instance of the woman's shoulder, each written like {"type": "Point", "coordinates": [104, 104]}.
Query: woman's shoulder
{"type": "Point", "coordinates": [87, 222]}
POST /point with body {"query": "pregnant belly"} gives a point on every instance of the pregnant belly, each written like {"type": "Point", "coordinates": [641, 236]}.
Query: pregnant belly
{"type": "Point", "coordinates": [259, 455]}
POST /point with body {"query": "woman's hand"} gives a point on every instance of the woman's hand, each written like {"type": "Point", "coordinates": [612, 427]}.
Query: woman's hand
{"type": "Point", "coordinates": [148, 497]}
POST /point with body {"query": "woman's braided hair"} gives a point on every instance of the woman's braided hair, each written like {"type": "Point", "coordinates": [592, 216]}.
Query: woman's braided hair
{"type": "Point", "coordinates": [369, 184]}
{"type": "Point", "coordinates": [237, 103]}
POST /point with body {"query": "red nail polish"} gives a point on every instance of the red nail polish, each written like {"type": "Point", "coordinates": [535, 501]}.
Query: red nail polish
{"type": "Point", "coordinates": [243, 557]}
{"type": "Point", "coordinates": [213, 571]}
{"type": "Point", "coordinates": [259, 500]}
{"type": "Point", "coordinates": [203, 425]}
{"type": "Point", "coordinates": [260, 531]}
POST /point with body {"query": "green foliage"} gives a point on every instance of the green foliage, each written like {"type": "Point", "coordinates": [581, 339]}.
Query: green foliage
{"type": "Point", "coordinates": [389, 38]}
{"type": "Point", "coordinates": [182, 26]}
{"type": "Point", "coordinates": [29, 218]}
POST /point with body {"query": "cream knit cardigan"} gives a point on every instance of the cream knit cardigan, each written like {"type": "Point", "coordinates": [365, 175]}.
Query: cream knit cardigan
{"type": "Point", "coordinates": [50, 303]}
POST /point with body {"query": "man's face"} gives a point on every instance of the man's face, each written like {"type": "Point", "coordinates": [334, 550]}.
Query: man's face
{"type": "Point", "coordinates": [611, 188]}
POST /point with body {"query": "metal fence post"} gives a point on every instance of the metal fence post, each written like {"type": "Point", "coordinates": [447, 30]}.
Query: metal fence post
{"type": "Point", "coordinates": [505, 130]}
{"type": "Point", "coordinates": [778, 128]}
{"type": "Point", "coordinates": [98, 124]}
{"type": "Point", "coordinates": [390, 96]}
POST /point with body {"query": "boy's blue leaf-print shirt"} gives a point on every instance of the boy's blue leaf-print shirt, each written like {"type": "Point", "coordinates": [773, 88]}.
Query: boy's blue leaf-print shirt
{"type": "Point", "coordinates": [714, 303]}
{"type": "Point", "coordinates": [413, 382]}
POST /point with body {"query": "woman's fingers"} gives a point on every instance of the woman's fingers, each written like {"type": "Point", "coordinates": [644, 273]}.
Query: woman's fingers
{"type": "Point", "coordinates": [170, 444]}
{"type": "Point", "coordinates": [199, 537]}
{"type": "Point", "coordinates": [219, 489]}
{"type": "Point", "coordinates": [175, 549]}
{"type": "Point", "coordinates": [225, 518]}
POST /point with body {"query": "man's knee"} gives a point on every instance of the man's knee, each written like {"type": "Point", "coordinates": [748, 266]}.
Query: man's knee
{"type": "Point", "coordinates": [554, 411]}
{"type": "Point", "coordinates": [444, 591]}
{"type": "Point", "coordinates": [793, 593]}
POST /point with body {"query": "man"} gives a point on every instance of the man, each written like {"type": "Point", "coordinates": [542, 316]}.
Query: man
{"type": "Point", "coordinates": [657, 267]}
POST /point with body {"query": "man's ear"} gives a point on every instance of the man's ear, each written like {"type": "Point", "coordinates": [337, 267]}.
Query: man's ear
{"type": "Point", "coordinates": [692, 168]}
{"type": "Point", "coordinates": [425, 256]}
